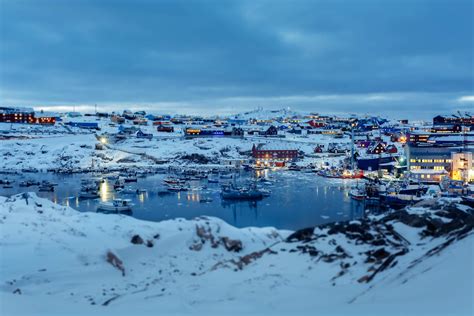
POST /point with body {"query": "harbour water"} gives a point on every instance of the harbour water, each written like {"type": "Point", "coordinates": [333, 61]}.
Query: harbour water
{"type": "Point", "coordinates": [297, 199]}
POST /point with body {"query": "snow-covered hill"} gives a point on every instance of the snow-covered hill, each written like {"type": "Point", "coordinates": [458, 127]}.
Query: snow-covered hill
{"type": "Point", "coordinates": [266, 114]}
{"type": "Point", "coordinates": [57, 261]}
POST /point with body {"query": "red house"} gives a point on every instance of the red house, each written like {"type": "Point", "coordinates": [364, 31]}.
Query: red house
{"type": "Point", "coordinates": [270, 154]}
{"type": "Point", "coordinates": [391, 149]}
{"type": "Point", "coordinates": [316, 124]}
{"type": "Point", "coordinates": [377, 148]}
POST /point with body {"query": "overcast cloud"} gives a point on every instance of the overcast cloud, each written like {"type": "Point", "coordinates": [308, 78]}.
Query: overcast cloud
{"type": "Point", "coordinates": [409, 57]}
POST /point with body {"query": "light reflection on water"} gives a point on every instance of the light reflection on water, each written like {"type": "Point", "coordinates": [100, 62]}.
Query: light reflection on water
{"type": "Point", "coordinates": [297, 200]}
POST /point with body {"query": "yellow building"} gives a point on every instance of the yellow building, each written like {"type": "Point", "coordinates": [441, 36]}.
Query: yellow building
{"type": "Point", "coordinates": [461, 166]}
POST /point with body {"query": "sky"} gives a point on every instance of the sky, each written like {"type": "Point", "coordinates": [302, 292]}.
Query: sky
{"type": "Point", "coordinates": [411, 58]}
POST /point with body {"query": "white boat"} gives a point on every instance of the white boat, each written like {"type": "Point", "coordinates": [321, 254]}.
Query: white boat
{"type": "Point", "coordinates": [131, 179]}
{"type": "Point", "coordinates": [117, 205]}
{"type": "Point", "coordinates": [205, 200]}
{"type": "Point", "coordinates": [128, 191]}
{"type": "Point", "coordinates": [46, 188]}
{"type": "Point", "coordinates": [177, 188]}
{"type": "Point", "coordinates": [118, 184]}
{"type": "Point", "coordinates": [357, 194]}
{"type": "Point", "coordinates": [88, 194]}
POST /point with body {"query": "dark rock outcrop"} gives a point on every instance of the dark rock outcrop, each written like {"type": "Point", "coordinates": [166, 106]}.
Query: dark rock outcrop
{"type": "Point", "coordinates": [304, 234]}
{"type": "Point", "coordinates": [231, 244]}
{"type": "Point", "coordinates": [136, 240]}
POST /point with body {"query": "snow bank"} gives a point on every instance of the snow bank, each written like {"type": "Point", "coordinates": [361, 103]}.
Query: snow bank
{"type": "Point", "coordinates": [57, 261]}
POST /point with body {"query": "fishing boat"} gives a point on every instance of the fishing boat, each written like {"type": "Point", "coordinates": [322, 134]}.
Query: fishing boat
{"type": "Point", "coordinates": [468, 200]}
{"type": "Point", "coordinates": [46, 188]}
{"type": "Point", "coordinates": [6, 182]}
{"type": "Point", "coordinates": [352, 174]}
{"type": "Point", "coordinates": [212, 179]}
{"type": "Point", "coordinates": [241, 193]}
{"type": "Point", "coordinates": [130, 178]}
{"type": "Point", "coordinates": [265, 192]}
{"type": "Point", "coordinates": [205, 200]}
{"type": "Point", "coordinates": [176, 188]}
{"type": "Point", "coordinates": [357, 194]}
{"type": "Point", "coordinates": [398, 201]}
{"type": "Point", "coordinates": [117, 205]}
{"type": "Point", "coordinates": [294, 167]}
{"type": "Point", "coordinates": [28, 183]}
{"type": "Point", "coordinates": [170, 180]}
{"type": "Point", "coordinates": [128, 190]}
{"type": "Point", "coordinates": [119, 184]}
{"type": "Point", "coordinates": [226, 176]}
{"type": "Point", "coordinates": [413, 189]}
{"type": "Point", "coordinates": [88, 194]}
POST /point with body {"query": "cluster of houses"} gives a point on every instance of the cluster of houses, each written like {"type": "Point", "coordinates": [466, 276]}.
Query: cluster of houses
{"type": "Point", "coordinates": [26, 116]}
{"type": "Point", "coordinates": [431, 152]}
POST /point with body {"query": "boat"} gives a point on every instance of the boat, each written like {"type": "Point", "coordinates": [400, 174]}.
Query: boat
{"type": "Point", "coordinates": [352, 174]}
{"type": "Point", "coordinates": [468, 200]}
{"type": "Point", "coordinates": [212, 180]}
{"type": "Point", "coordinates": [177, 188]}
{"type": "Point", "coordinates": [84, 194]}
{"type": "Point", "coordinates": [6, 182]}
{"type": "Point", "coordinates": [47, 183]}
{"type": "Point", "coordinates": [128, 190]}
{"type": "Point", "coordinates": [294, 167]}
{"type": "Point", "coordinates": [170, 180]}
{"type": "Point", "coordinates": [413, 189]}
{"type": "Point", "coordinates": [8, 186]}
{"type": "Point", "coordinates": [205, 200]}
{"type": "Point", "coordinates": [398, 201]}
{"type": "Point", "coordinates": [241, 193]}
{"type": "Point", "coordinates": [131, 179]}
{"type": "Point", "coordinates": [28, 183]}
{"type": "Point", "coordinates": [46, 188]}
{"type": "Point", "coordinates": [357, 194]}
{"type": "Point", "coordinates": [265, 192]}
{"type": "Point", "coordinates": [118, 184]}
{"type": "Point", "coordinates": [117, 205]}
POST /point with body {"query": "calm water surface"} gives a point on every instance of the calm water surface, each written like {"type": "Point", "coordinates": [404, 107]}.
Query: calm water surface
{"type": "Point", "coordinates": [297, 200]}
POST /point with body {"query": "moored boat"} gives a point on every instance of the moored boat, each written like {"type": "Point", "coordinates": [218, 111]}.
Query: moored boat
{"type": "Point", "coordinates": [241, 193]}
{"type": "Point", "coordinates": [117, 205]}
{"type": "Point", "coordinates": [357, 194]}
{"type": "Point", "coordinates": [468, 200]}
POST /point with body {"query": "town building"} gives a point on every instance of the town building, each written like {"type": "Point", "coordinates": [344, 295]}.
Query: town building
{"type": "Point", "coordinates": [16, 115]}
{"type": "Point", "coordinates": [435, 160]}
{"type": "Point", "coordinates": [273, 154]}
{"type": "Point", "coordinates": [213, 132]}
{"type": "Point", "coordinates": [26, 116]}
{"type": "Point", "coordinates": [165, 128]}
{"type": "Point", "coordinates": [461, 166]}
{"type": "Point", "coordinates": [466, 120]}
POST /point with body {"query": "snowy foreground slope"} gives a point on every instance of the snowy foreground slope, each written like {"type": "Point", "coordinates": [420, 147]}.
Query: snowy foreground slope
{"type": "Point", "coordinates": [57, 261]}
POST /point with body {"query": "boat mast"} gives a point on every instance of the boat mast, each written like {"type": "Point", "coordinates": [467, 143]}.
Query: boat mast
{"type": "Point", "coordinates": [352, 146]}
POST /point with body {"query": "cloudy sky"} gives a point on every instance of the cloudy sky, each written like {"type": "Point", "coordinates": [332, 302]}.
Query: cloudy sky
{"type": "Point", "coordinates": [368, 56]}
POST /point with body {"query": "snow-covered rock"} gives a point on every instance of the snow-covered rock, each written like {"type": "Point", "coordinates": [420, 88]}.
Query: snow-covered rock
{"type": "Point", "coordinates": [57, 261]}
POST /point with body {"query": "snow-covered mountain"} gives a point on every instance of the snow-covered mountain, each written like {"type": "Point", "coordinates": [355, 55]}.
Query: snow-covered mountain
{"type": "Point", "coordinates": [57, 261]}
{"type": "Point", "coordinates": [265, 114]}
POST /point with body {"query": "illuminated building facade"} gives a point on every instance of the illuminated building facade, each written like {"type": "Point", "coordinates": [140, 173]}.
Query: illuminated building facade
{"type": "Point", "coordinates": [461, 166]}
{"type": "Point", "coordinates": [271, 155]}
{"type": "Point", "coordinates": [25, 116]}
